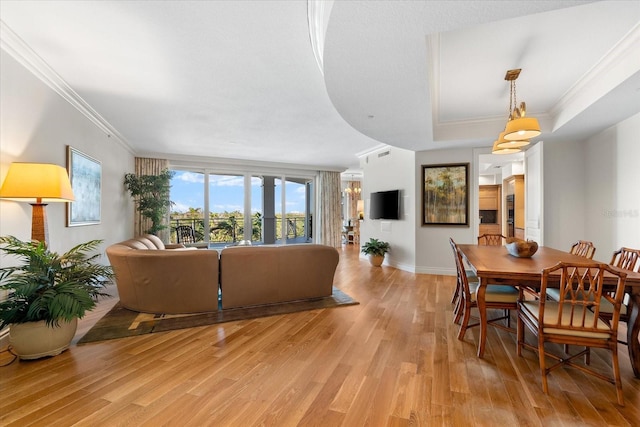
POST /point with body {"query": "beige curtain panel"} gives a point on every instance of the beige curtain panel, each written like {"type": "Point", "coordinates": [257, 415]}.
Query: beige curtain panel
{"type": "Point", "coordinates": [146, 166]}
{"type": "Point", "coordinates": [329, 209]}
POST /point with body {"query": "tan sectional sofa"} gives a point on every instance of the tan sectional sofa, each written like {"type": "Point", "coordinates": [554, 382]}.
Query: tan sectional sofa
{"type": "Point", "coordinates": [154, 279]}
{"type": "Point", "coordinates": [256, 275]}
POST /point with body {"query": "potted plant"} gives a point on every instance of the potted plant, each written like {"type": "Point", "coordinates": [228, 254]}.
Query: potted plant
{"type": "Point", "coordinates": [151, 195]}
{"type": "Point", "coordinates": [47, 294]}
{"type": "Point", "coordinates": [375, 250]}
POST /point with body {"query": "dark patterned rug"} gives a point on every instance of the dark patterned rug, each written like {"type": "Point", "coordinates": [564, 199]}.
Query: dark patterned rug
{"type": "Point", "coordinates": [120, 322]}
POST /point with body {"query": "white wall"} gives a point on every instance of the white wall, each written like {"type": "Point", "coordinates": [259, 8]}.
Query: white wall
{"type": "Point", "coordinates": [565, 204]}
{"type": "Point", "coordinates": [391, 172]}
{"type": "Point", "coordinates": [612, 188]}
{"type": "Point", "coordinates": [433, 254]}
{"type": "Point", "coordinates": [36, 125]}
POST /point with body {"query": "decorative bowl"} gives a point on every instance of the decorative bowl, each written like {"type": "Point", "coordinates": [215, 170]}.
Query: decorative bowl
{"type": "Point", "coordinates": [521, 248]}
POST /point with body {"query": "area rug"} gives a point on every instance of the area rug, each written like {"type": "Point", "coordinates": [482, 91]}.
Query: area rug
{"type": "Point", "coordinates": [120, 322]}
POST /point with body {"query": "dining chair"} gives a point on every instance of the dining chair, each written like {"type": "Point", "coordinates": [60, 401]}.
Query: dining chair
{"type": "Point", "coordinates": [488, 239]}
{"type": "Point", "coordinates": [496, 297]}
{"type": "Point", "coordinates": [626, 259]}
{"type": "Point", "coordinates": [583, 248]}
{"type": "Point", "coordinates": [574, 318]}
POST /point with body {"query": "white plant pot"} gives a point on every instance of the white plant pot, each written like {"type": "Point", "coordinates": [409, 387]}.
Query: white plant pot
{"type": "Point", "coordinates": [33, 340]}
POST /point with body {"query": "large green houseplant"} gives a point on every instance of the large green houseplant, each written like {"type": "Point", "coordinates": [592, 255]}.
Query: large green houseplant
{"type": "Point", "coordinates": [375, 249]}
{"type": "Point", "coordinates": [47, 293]}
{"type": "Point", "coordinates": [151, 195]}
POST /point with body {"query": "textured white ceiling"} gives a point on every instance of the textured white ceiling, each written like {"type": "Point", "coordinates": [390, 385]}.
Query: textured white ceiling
{"type": "Point", "coordinates": [238, 79]}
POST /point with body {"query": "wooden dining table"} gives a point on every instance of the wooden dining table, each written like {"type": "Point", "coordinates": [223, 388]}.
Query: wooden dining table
{"type": "Point", "coordinates": [494, 265]}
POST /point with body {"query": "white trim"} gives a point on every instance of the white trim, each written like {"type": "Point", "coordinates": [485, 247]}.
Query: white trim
{"type": "Point", "coordinates": [11, 43]}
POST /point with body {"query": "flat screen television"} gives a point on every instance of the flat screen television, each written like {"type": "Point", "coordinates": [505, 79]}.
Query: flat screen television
{"type": "Point", "coordinates": [385, 205]}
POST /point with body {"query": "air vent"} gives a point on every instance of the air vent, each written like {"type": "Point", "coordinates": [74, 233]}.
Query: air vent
{"type": "Point", "coordinates": [384, 153]}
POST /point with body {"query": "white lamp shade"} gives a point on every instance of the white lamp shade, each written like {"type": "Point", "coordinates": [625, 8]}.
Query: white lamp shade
{"type": "Point", "coordinates": [498, 150]}
{"type": "Point", "coordinates": [522, 129]}
{"type": "Point", "coordinates": [503, 143]}
{"type": "Point", "coordinates": [37, 183]}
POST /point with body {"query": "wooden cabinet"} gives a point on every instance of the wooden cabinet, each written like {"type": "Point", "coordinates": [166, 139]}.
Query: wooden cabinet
{"type": "Point", "coordinates": [489, 196]}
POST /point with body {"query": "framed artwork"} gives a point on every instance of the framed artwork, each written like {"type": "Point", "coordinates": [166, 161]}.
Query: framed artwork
{"type": "Point", "coordinates": [445, 194]}
{"type": "Point", "coordinates": [85, 174]}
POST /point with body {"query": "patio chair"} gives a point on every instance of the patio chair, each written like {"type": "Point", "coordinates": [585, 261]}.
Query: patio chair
{"type": "Point", "coordinates": [574, 319]}
{"type": "Point", "coordinates": [185, 234]}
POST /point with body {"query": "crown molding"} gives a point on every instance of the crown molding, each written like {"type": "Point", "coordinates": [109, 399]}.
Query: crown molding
{"type": "Point", "coordinates": [620, 63]}
{"type": "Point", "coordinates": [11, 43]}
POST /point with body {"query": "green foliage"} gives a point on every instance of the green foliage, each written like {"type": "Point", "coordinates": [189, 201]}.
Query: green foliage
{"type": "Point", "coordinates": [48, 286]}
{"type": "Point", "coordinates": [151, 194]}
{"type": "Point", "coordinates": [375, 247]}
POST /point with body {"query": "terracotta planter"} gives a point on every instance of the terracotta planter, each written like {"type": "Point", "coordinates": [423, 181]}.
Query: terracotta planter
{"type": "Point", "coordinates": [376, 260]}
{"type": "Point", "coordinates": [33, 340]}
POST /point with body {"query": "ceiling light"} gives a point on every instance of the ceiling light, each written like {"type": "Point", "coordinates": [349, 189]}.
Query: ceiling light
{"type": "Point", "coordinates": [504, 150]}
{"type": "Point", "coordinates": [519, 127]}
{"type": "Point", "coordinates": [503, 143]}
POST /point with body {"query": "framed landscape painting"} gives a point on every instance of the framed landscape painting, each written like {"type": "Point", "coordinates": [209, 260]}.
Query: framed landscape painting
{"type": "Point", "coordinates": [445, 194]}
{"type": "Point", "coordinates": [85, 174]}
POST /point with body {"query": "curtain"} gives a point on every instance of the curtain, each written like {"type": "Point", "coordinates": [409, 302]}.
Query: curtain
{"type": "Point", "coordinates": [330, 209]}
{"type": "Point", "coordinates": [145, 166]}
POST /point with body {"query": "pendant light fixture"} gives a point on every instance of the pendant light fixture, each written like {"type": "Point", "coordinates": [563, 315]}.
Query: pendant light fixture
{"type": "Point", "coordinates": [519, 128]}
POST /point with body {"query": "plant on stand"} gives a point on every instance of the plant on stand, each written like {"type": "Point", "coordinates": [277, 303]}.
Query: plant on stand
{"type": "Point", "coordinates": [47, 294]}
{"type": "Point", "coordinates": [375, 249]}
{"type": "Point", "coordinates": [151, 195]}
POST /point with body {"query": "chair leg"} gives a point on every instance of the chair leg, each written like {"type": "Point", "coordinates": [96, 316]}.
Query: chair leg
{"type": "Point", "coordinates": [465, 322]}
{"type": "Point", "coordinates": [616, 374]}
{"type": "Point", "coordinates": [543, 368]}
{"type": "Point", "coordinates": [520, 336]}
{"type": "Point", "coordinates": [457, 311]}
{"type": "Point", "coordinates": [456, 293]}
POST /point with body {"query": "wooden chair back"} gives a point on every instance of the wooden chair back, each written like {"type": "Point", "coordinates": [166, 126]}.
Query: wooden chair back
{"type": "Point", "coordinates": [581, 291]}
{"type": "Point", "coordinates": [491, 239]}
{"type": "Point", "coordinates": [463, 281]}
{"type": "Point", "coordinates": [185, 234]}
{"type": "Point", "coordinates": [626, 259]}
{"type": "Point", "coordinates": [583, 248]}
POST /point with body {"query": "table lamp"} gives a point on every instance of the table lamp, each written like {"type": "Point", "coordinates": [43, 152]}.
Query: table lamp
{"type": "Point", "coordinates": [37, 184]}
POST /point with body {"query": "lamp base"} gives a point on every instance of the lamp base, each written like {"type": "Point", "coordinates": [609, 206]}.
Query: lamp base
{"type": "Point", "coordinates": [39, 229]}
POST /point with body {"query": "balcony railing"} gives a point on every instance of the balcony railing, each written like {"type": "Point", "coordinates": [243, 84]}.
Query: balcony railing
{"type": "Point", "coordinates": [230, 228]}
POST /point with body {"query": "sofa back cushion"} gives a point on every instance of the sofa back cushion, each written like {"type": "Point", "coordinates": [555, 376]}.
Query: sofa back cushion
{"type": "Point", "coordinates": [256, 275]}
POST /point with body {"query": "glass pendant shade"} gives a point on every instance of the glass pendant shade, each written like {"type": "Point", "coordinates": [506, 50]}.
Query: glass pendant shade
{"type": "Point", "coordinates": [521, 129]}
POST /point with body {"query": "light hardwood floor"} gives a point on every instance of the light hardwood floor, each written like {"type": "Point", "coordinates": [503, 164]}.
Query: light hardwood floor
{"type": "Point", "coordinates": [392, 360]}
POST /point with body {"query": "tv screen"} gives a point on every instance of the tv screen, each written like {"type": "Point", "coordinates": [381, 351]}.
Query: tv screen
{"type": "Point", "coordinates": [385, 205]}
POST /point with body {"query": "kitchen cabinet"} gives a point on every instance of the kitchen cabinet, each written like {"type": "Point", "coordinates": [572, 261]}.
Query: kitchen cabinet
{"type": "Point", "coordinates": [489, 196]}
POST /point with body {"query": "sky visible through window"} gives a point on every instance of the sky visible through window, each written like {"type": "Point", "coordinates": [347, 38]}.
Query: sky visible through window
{"type": "Point", "coordinates": [187, 191]}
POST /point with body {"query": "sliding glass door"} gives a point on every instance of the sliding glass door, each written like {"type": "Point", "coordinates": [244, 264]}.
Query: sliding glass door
{"type": "Point", "coordinates": [229, 209]}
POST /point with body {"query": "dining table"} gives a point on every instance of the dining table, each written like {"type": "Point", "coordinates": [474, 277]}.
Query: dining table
{"type": "Point", "coordinates": [494, 265]}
